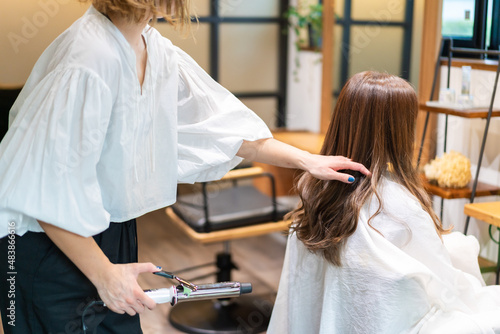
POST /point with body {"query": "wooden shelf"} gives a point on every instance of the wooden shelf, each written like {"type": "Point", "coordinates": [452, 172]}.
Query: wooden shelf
{"type": "Point", "coordinates": [466, 113]}
{"type": "Point", "coordinates": [483, 189]}
{"type": "Point", "coordinates": [475, 64]}
{"type": "Point", "coordinates": [486, 265]}
{"type": "Point", "coordinates": [488, 212]}
{"type": "Point", "coordinates": [310, 48]}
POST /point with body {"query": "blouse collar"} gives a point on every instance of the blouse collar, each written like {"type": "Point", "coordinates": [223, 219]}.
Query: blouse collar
{"type": "Point", "coordinates": [122, 41]}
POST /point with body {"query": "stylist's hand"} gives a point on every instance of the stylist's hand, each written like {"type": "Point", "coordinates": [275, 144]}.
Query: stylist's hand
{"type": "Point", "coordinates": [273, 152]}
{"type": "Point", "coordinates": [327, 167]}
{"type": "Point", "coordinates": [118, 288]}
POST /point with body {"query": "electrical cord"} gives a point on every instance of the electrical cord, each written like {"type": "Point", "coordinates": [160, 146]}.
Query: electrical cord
{"type": "Point", "coordinates": [89, 305]}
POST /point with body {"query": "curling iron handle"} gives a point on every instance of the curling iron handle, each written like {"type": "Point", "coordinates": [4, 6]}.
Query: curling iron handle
{"type": "Point", "coordinates": [161, 296]}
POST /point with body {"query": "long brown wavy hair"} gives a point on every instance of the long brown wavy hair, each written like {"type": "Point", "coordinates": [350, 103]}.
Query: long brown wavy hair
{"type": "Point", "coordinates": [373, 123]}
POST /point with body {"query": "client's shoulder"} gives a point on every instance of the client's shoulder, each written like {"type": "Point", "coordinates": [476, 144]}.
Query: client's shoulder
{"type": "Point", "coordinates": [395, 191]}
{"type": "Point", "coordinates": [396, 199]}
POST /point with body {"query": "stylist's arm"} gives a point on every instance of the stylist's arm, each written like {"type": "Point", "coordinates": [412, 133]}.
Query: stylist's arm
{"type": "Point", "coordinates": [274, 152]}
{"type": "Point", "coordinates": [116, 283]}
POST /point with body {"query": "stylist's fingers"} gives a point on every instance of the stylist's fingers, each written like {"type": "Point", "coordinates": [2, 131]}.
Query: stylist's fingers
{"type": "Point", "coordinates": [142, 299]}
{"type": "Point", "coordinates": [343, 177]}
{"type": "Point", "coordinates": [145, 267]}
{"type": "Point", "coordinates": [118, 288]}
{"type": "Point", "coordinates": [136, 302]}
{"type": "Point", "coordinates": [330, 174]}
{"type": "Point", "coordinates": [130, 310]}
{"type": "Point", "coordinates": [115, 309]}
{"type": "Point", "coordinates": [145, 301]}
{"type": "Point", "coordinates": [137, 306]}
{"type": "Point", "coordinates": [345, 163]}
{"type": "Point", "coordinates": [327, 167]}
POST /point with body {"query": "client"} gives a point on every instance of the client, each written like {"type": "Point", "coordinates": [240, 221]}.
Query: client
{"type": "Point", "coordinates": [372, 257]}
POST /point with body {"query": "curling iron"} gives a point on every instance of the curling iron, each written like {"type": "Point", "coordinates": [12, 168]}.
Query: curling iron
{"type": "Point", "coordinates": [174, 295]}
{"type": "Point", "coordinates": [186, 291]}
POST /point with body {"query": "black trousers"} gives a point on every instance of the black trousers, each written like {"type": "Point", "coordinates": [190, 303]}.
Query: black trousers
{"type": "Point", "coordinates": [46, 293]}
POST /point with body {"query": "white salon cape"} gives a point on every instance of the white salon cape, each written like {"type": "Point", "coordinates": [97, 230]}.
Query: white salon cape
{"type": "Point", "coordinates": [87, 145]}
{"type": "Point", "coordinates": [401, 280]}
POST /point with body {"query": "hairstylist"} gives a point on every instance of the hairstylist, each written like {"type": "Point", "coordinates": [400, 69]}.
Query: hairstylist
{"type": "Point", "coordinates": [112, 117]}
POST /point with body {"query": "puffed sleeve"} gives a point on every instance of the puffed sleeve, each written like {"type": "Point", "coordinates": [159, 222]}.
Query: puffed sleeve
{"type": "Point", "coordinates": [212, 124]}
{"type": "Point", "coordinates": [50, 154]}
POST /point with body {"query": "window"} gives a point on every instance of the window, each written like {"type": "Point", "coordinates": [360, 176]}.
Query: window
{"type": "Point", "coordinates": [472, 23]}
{"type": "Point", "coordinates": [242, 47]}
{"type": "Point", "coordinates": [458, 18]}
{"type": "Point", "coordinates": [365, 30]}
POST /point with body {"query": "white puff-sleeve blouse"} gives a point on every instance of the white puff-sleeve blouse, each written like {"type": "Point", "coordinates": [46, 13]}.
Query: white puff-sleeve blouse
{"type": "Point", "coordinates": [88, 145]}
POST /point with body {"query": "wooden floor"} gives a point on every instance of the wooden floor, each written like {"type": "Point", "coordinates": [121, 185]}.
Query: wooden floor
{"type": "Point", "coordinates": [259, 260]}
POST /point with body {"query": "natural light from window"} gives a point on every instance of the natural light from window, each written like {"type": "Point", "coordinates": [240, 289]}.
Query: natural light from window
{"type": "Point", "coordinates": [458, 18]}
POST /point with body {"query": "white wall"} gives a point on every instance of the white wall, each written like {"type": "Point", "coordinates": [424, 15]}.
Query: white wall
{"type": "Point", "coordinates": [304, 90]}
{"type": "Point", "coordinates": [27, 27]}
{"type": "Point", "coordinates": [304, 84]}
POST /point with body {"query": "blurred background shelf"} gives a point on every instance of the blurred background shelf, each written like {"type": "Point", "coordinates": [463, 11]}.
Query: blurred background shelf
{"type": "Point", "coordinates": [488, 212]}
{"type": "Point", "coordinates": [482, 189]}
{"type": "Point", "coordinates": [479, 112]}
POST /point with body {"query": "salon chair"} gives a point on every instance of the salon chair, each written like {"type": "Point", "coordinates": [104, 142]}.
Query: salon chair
{"type": "Point", "coordinates": [221, 211]}
{"type": "Point", "coordinates": [8, 95]}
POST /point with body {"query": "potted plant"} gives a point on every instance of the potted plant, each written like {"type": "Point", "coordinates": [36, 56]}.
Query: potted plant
{"type": "Point", "coordinates": [307, 23]}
